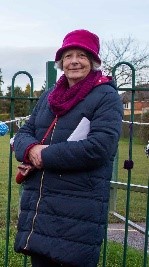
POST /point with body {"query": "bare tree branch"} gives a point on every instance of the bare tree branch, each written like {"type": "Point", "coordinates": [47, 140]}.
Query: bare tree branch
{"type": "Point", "coordinates": [128, 50]}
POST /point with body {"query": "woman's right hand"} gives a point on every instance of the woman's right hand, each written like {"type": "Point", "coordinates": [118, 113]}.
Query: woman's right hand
{"type": "Point", "coordinates": [35, 155]}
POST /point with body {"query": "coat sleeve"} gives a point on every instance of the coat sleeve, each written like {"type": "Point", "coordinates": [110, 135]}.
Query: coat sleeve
{"type": "Point", "coordinates": [100, 145]}
{"type": "Point", "coordinates": [25, 136]}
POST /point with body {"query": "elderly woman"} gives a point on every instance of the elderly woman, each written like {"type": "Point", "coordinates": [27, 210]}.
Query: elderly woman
{"type": "Point", "coordinates": [65, 197]}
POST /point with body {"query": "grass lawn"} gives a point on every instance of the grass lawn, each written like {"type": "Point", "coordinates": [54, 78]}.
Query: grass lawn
{"type": "Point", "coordinates": [114, 255]}
{"type": "Point", "coordinates": [140, 175]}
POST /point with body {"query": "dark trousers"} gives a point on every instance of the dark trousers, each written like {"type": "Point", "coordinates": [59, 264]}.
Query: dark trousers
{"type": "Point", "coordinates": [42, 261]}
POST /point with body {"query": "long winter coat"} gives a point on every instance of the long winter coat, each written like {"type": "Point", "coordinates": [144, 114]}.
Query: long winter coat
{"type": "Point", "coordinates": [64, 205]}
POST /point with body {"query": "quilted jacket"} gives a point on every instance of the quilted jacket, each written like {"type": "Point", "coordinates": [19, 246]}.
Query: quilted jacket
{"type": "Point", "coordinates": [63, 209]}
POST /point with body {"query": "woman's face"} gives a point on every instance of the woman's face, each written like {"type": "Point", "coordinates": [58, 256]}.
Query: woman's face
{"type": "Point", "coordinates": [76, 65]}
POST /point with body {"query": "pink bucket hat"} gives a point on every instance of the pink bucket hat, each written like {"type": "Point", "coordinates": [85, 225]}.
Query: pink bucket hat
{"type": "Point", "coordinates": [82, 39]}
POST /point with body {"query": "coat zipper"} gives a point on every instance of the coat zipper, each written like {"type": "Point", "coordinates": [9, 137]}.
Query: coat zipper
{"type": "Point", "coordinates": [35, 213]}
{"type": "Point", "coordinates": [41, 184]}
{"type": "Point", "coordinates": [53, 132]}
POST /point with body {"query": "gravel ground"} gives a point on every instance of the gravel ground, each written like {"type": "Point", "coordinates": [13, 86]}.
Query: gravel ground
{"type": "Point", "coordinates": [116, 232]}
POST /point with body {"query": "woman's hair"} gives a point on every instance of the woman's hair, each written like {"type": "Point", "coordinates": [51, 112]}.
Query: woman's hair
{"type": "Point", "coordinates": [94, 64]}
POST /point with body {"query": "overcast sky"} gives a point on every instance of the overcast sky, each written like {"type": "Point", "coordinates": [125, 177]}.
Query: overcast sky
{"type": "Point", "coordinates": [32, 30]}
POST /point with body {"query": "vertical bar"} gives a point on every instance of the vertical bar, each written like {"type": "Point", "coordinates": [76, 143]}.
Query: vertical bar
{"type": "Point", "coordinates": [113, 191]}
{"type": "Point", "coordinates": [31, 93]}
{"type": "Point", "coordinates": [51, 74]}
{"type": "Point", "coordinates": [105, 248]}
{"type": "Point", "coordinates": [10, 162]}
{"type": "Point", "coordinates": [130, 155]}
{"type": "Point", "coordinates": [129, 171]}
{"type": "Point", "coordinates": [112, 206]}
{"type": "Point", "coordinates": [25, 261]}
{"type": "Point", "coordinates": [8, 209]}
{"type": "Point", "coordinates": [146, 231]}
{"type": "Point", "coordinates": [9, 180]}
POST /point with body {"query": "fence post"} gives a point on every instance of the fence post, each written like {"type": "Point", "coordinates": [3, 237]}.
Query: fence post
{"type": "Point", "coordinates": [130, 152]}
{"type": "Point", "coordinates": [51, 74]}
{"type": "Point", "coordinates": [10, 159]}
{"type": "Point", "coordinates": [113, 190]}
{"type": "Point", "coordinates": [146, 231]}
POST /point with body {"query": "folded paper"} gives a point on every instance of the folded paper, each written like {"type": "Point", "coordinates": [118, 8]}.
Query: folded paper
{"type": "Point", "coordinates": [81, 132]}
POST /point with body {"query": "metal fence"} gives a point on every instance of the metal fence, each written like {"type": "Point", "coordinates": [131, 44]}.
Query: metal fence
{"type": "Point", "coordinates": [116, 184]}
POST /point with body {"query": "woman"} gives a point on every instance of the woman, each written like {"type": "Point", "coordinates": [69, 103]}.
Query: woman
{"type": "Point", "coordinates": [65, 198]}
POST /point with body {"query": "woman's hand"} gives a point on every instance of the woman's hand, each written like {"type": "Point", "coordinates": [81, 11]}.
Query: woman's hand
{"type": "Point", "coordinates": [35, 155]}
{"type": "Point", "coordinates": [24, 169]}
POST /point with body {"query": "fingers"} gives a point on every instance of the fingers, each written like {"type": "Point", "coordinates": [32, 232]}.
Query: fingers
{"type": "Point", "coordinates": [35, 155]}
{"type": "Point", "coordinates": [25, 169]}
{"type": "Point", "coordinates": [36, 161]}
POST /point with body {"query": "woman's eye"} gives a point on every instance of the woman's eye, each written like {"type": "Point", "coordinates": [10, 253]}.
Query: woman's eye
{"type": "Point", "coordinates": [82, 55]}
{"type": "Point", "coordinates": [67, 56]}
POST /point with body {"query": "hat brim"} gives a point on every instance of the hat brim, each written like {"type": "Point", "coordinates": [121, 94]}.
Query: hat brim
{"type": "Point", "coordinates": [76, 45]}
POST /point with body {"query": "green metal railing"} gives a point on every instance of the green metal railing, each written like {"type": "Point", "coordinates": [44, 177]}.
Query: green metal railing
{"type": "Point", "coordinates": [115, 185]}
{"type": "Point", "coordinates": [12, 98]}
{"type": "Point", "coordinates": [130, 154]}
{"type": "Point", "coordinates": [128, 186]}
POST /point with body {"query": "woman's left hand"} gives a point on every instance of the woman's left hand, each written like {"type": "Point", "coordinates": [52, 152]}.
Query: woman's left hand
{"type": "Point", "coordinates": [35, 155]}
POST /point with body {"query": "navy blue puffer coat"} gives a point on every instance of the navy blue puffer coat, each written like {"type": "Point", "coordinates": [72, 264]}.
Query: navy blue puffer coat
{"type": "Point", "coordinates": [64, 206]}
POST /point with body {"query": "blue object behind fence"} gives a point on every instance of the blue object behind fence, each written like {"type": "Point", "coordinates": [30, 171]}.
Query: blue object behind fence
{"type": "Point", "coordinates": [3, 128]}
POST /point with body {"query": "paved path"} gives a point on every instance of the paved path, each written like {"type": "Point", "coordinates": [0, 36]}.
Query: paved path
{"type": "Point", "coordinates": [136, 239]}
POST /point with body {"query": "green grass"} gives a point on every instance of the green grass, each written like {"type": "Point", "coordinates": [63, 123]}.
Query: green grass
{"type": "Point", "coordinates": [140, 174]}
{"type": "Point", "coordinates": [14, 259]}
{"type": "Point", "coordinates": [114, 256]}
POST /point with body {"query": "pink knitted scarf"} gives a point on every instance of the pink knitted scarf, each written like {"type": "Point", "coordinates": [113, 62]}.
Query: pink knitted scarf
{"type": "Point", "coordinates": [63, 98]}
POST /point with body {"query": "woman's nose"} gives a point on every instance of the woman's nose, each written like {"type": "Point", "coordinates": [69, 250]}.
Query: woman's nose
{"type": "Point", "coordinates": [74, 60]}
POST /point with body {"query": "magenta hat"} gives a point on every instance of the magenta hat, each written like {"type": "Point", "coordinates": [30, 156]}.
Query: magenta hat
{"type": "Point", "coordinates": [81, 39]}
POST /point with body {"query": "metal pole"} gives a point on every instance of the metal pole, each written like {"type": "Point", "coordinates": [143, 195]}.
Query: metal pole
{"type": "Point", "coordinates": [130, 155]}
{"type": "Point", "coordinates": [146, 231]}
{"type": "Point", "coordinates": [51, 74]}
{"type": "Point", "coordinates": [10, 161]}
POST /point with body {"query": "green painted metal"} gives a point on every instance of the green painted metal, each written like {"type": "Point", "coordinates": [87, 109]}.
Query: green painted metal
{"type": "Point", "coordinates": [8, 209]}
{"type": "Point", "coordinates": [130, 154]}
{"type": "Point", "coordinates": [50, 81]}
{"type": "Point", "coordinates": [105, 247]}
{"type": "Point", "coordinates": [145, 263]}
{"type": "Point", "coordinates": [113, 190]}
{"type": "Point", "coordinates": [10, 156]}
{"type": "Point", "coordinates": [51, 74]}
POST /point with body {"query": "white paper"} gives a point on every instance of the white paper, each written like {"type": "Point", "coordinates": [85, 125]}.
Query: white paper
{"type": "Point", "coordinates": [81, 131]}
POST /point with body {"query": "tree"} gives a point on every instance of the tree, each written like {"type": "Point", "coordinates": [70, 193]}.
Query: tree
{"type": "Point", "coordinates": [1, 81]}
{"type": "Point", "coordinates": [21, 105]}
{"type": "Point", "coordinates": [1, 93]}
{"type": "Point", "coordinates": [126, 49]}
{"type": "Point", "coordinates": [27, 90]}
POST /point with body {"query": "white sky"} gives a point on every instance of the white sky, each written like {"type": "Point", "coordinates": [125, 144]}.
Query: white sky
{"type": "Point", "coordinates": [32, 30]}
